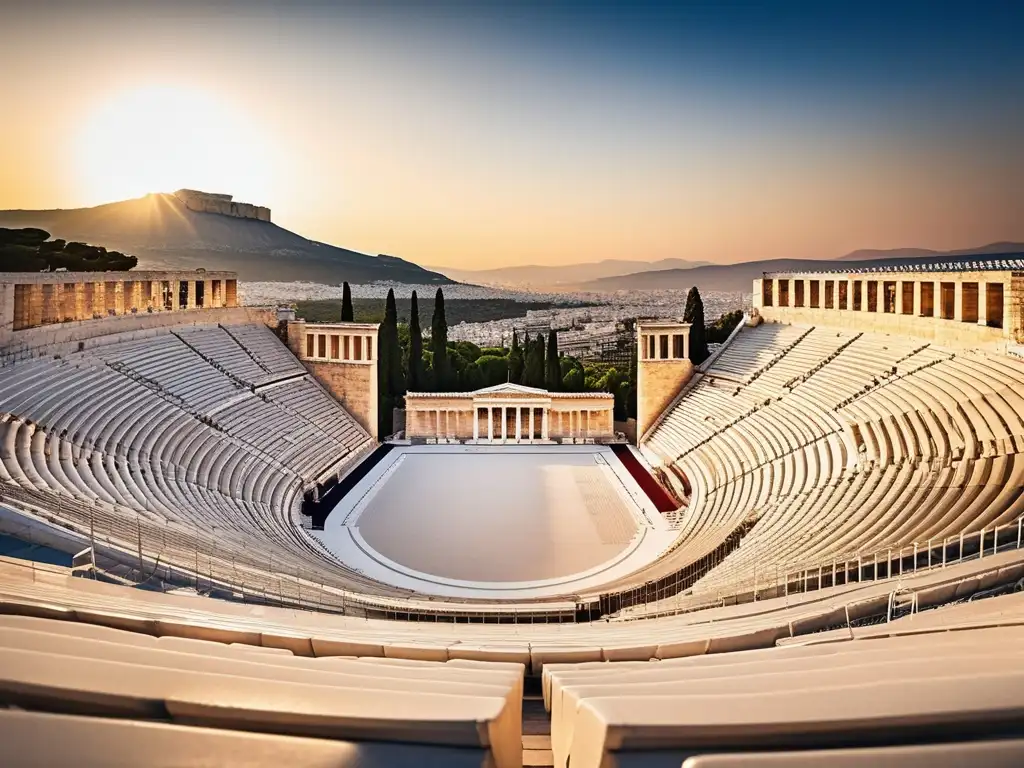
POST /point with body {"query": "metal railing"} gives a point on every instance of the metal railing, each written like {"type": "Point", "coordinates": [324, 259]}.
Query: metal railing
{"type": "Point", "coordinates": [793, 578]}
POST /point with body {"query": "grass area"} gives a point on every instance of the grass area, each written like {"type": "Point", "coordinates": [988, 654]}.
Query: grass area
{"type": "Point", "coordinates": [456, 310]}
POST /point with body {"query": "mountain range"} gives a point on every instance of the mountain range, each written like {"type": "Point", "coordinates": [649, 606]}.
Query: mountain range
{"type": "Point", "coordinates": [738, 277]}
{"type": "Point", "coordinates": [540, 277]}
{"type": "Point", "coordinates": [165, 234]}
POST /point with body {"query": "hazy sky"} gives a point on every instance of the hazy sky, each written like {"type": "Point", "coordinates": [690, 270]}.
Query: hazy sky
{"type": "Point", "coordinates": [474, 134]}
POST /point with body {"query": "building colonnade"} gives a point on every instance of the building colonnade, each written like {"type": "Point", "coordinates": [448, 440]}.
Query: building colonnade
{"type": "Point", "coordinates": [981, 301]}
{"type": "Point", "coordinates": [57, 297]}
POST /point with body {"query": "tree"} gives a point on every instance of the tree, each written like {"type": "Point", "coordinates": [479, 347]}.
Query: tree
{"type": "Point", "coordinates": [533, 369]}
{"type": "Point", "coordinates": [390, 383]}
{"type": "Point", "coordinates": [574, 379]}
{"type": "Point", "coordinates": [553, 375]}
{"type": "Point", "coordinates": [415, 358]}
{"type": "Point", "coordinates": [347, 315]}
{"type": "Point", "coordinates": [694, 314]}
{"type": "Point", "coordinates": [541, 367]}
{"type": "Point", "coordinates": [493, 370]}
{"type": "Point", "coordinates": [515, 359]}
{"type": "Point", "coordinates": [439, 343]}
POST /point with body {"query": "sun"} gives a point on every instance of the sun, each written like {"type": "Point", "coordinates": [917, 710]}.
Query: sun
{"type": "Point", "coordinates": [160, 138]}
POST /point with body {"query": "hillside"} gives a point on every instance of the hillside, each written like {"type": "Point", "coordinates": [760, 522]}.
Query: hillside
{"type": "Point", "coordinates": [869, 254]}
{"type": "Point", "coordinates": [738, 277]}
{"type": "Point", "coordinates": [164, 234]}
{"type": "Point", "coordinates": [540, 277]}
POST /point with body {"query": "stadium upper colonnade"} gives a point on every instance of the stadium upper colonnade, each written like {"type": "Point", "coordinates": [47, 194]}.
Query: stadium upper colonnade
{"type": "Point", "coordinates": [983, 307]}
{"type": "Point", "coordinates": [30, 300]}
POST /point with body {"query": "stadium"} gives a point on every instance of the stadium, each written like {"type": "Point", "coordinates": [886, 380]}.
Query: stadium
{"type": "Point", "coordinates": [810, 555]}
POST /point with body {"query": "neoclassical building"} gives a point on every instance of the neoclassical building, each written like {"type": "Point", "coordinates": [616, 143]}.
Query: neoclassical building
{"type": "Point", "coordinates": [510, 413]}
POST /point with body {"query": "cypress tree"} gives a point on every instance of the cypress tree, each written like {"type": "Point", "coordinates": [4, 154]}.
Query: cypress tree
{"type": "Point", "coordinates": [390, 382]}
{"type": "Point", "coordinates": [540, 370]}
{"type": "Point", "coordinates": [515, 360]}
{"type": "Point", "coordinates": [347, 315]}
{"type": "Point", "coordinates": [553, 377]}
{"type": "Point", "coordinates": [533, 370]}
{"type": "Point", "coordinates": [694, 314]}
{"type": "Point", "coordinates": [415, 363]}
{"type": "Point", "coordinates": [439, 343]}
{"type": "Point", "coordinates": [396, 381]}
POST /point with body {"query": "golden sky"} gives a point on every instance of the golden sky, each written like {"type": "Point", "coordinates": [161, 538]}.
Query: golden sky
{"type": "Point", "coordinates": [482, 142]}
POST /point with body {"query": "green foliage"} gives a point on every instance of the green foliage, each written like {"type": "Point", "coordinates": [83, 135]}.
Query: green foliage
{"type": "Point", "coordinates": [496, 351]}
{"type": "Point", "coordinates": [493, 370]}
{"type": "Point", "coordinates": [439, 344]}
{"type": "Point", "coordinates": [390, 381]}
{"type": "Point", "coordinates": [694, 314]}
{"type": "Point", "coordinates": [533, 369]}
{"type": "Point", "coordinates": [347, 315]}
{"type": "Point", "coordinates": [719, 331]}
{"type": "Point", "coordinates": [515, 359]}
{"type": "Point", "coordinates": [29, 250]}
{"type": "Point", "coordinates": [574, 379]}
{"type": "Point", "coordinates": [414, 357]}
{"type": "Point", "coordinates": [553, 372]}
{"type": "Point", "coordinates": [467, 349]}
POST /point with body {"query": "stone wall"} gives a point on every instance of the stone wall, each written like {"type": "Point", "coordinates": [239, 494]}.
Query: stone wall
{"type": "Point", "coordinates": [658, 383]}
{"type": "Point", "coordinates": [343, 358]}
{"type": "Point", "coordinates": [209, 202]}
{"type": "Point", "coordinates": [353, 385]}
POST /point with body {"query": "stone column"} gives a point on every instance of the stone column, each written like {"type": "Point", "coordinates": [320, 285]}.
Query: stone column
{"type": "Point", "coordinates": [917, 298]}
{"type": "Point", "coordinates": [191, 294]}
{"type": "Point", "coordinates": [958, 300]}
{"type": "Point", "coordinates": [490, 424]}
{"type": "Point", "coordinates": [476, 424]}
{"type": "Point", "coordinates": [531, 423]}
{"type": "Point", "coordinates": [982, 302]}
{"type": "Point", "coordinates": [899, 297]}
{"type": "Point", "coordinates": [80, 309]}
{"type": "Point", "coordinates": [519, 415]}
{"type": "Point", "coordinates": [504, 424]}
{"type": "Point", "coordinates": [544, 424]}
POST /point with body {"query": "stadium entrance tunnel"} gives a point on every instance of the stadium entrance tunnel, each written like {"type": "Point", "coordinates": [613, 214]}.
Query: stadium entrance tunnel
{"type": "Point", "coordinates": [655, 491]}
{"type": "Point", "coordinates": [319, 501]}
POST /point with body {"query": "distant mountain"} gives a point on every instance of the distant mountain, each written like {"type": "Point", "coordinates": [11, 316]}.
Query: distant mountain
{"type": "Point", "coordinates": [165, 234]}
{"type": "Point", "coordinates": [537, 276]}
{"type": "Point", "coordinates": [869, 254]}
{"type": "Point", "coordinates": [739, 277]}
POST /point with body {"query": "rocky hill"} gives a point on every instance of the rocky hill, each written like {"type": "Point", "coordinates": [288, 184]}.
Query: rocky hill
{"type": "Point", "coordinates": [165, 233]}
